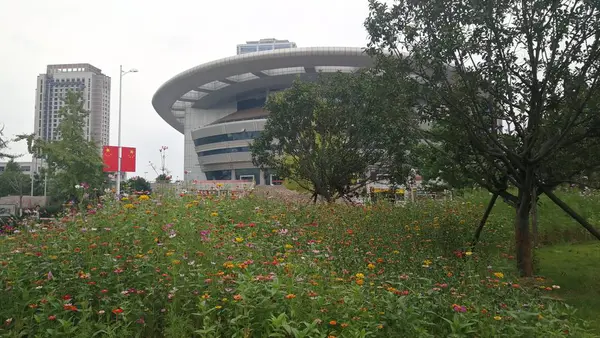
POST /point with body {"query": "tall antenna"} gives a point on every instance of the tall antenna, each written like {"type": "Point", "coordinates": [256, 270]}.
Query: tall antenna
{"type": "Point", "coordinates": [163, 159]}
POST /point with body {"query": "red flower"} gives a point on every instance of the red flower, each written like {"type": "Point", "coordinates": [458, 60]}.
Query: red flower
{"type": "Point", "coordinates": [117, 311]}
{"type": "Point", "coordinates": [52, 317]}
{"type": "Point", "coordinates": [67, 297]}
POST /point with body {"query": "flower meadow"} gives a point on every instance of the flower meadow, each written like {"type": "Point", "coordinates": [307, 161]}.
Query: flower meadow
{"type": "Point", "coordinates": [206, 266]}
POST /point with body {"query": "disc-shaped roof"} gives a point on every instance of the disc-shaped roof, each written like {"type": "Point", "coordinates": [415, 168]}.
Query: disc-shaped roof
{"type": "Point", "coordinates": [228, 79]}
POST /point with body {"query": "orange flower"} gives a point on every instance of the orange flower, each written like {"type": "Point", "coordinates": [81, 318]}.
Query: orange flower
{"type": "Point", "coordinates": [360, 281]}
{"type": "Point", "coordinates": [290, 296]}
{"type": "Point", "coordinates": [333, 323]}
{"type": "Point", "coordinates": [237, 297]}
{"type": "Point", "coordinates": [69, 307]}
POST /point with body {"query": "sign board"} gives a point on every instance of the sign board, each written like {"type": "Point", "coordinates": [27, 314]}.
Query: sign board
{"type": "Point", "coordinates": [8, 210]}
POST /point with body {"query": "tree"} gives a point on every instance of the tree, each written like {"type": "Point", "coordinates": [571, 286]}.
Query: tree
{"type": "Point", "coordinates": [14, 181]}
{"type": "Point", "coordinates": [72, 159]}
{"type": "Point", "coordinates": [138, 183]}
{"type": "Point", "coordinates": [325, 135]}
{"type": "Point", "coordinates": [4, 145]}
{"type": "Point", "coordinates": [511, 82]}
{"type": "Point", "coordinates": [163, 178]}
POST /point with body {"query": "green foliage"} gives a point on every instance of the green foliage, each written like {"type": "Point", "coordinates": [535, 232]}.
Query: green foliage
{"type": "Point", "coordinates": [217, 267]}
{"type": "Point", "coordinates": [137, 183]}
{"type": "Point", "coordinates": [164, 178]}
{"type": "Point", "coordinates": [326, 136]}
{"type": "Point", "coordinates": [72, 159]}
{"type": "Point", "coordinates": [13, 181]}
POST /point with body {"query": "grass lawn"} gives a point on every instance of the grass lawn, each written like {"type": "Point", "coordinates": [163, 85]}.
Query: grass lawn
{"type": "Point", "coordinates": [576, 269]}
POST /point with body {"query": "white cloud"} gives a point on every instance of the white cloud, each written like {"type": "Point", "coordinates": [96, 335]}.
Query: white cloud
{"type": "Point", "coordinates": [158, 38]}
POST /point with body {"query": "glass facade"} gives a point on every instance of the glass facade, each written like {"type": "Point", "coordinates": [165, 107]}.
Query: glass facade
{"type": "Point", "coordinates": [218, 175]}
{"type": "Point", "coordinates": [224, 151]}
{"type": "Point", "coordinates": [247, 49]}
{"type": "Point", "coordinates": [248, 175]}
{"type": "Point", "coordinates": [246, 135]}
{"type": "Point", "coordinates": [265, 47]}
{"type": "Point", "coordinates": [251, 103]}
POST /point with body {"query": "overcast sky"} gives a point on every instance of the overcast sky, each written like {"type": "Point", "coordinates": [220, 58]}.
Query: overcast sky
{"type": "Point", "coordinates": [160, 39]}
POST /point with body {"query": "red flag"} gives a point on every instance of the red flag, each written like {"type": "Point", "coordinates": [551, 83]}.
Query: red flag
{"type": "Point", "coordinates": [127, 159]}
{"type": "Point", "coordinates": [110, 157]}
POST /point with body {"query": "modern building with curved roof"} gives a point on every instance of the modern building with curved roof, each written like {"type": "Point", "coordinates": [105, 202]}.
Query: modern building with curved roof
{"type": "Point", "coordinates": [218, 106]}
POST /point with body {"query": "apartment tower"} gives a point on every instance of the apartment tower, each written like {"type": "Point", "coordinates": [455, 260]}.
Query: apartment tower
{"type": "Point", "coordinates": [53, 86]}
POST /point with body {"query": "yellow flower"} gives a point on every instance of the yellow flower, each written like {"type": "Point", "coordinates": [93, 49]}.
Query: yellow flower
{"type": "Point", "coordinates": [371, 266]}
{"type": "Point", "coordinates": [228, 265]}
{"type": "Point", "coordinates": [218, 307]}
{"type": "Point", "coordinates": [360, 275]}
{"type": "Point", "coordinates": [176, 262]}
{"type": "Point", "coordinates": [468, 253]}
{"type": "Point", "coordinates": [239, 239]}
{"type": "Point", "coordinates": [214, 214]}
{"type": "Point", "coordinates": [497, 317]}
{"type": "Point", "coordinates": [144, 197]}
{"type": "Point", "coordinates": [288, 246]}
{"type": "Point", "coordinates": [128, 206]}
{"type": "Point", "coordinates": [427, 262]}
{"type": "Point", "coordinates": [499, 275]}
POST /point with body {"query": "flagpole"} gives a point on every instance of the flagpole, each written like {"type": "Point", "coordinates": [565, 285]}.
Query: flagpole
{"type": "Point", "coordinates": [120, 153]}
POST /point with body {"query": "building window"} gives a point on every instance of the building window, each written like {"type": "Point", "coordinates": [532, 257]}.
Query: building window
{"type": "Point", "coordinates": [246, 135]}
{"type": "Point", "coordinates": [247, 49]}
{"type": "Point", "coordinates": [251, 103]}
{"type": "Point", "coordinates": [271, 178]}
{"type": "Point", "coordinates": [224, 151]}
{"type": "Point", "coordinates": [265, 47]}
{"type": "Point", "coordinates": [218, 175]}
{"type": "Point", "coordinates": [250, 174]}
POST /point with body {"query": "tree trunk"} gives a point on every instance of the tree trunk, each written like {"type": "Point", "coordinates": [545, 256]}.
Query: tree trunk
{"type": "Point", "coordinates": [522, 234]}
{"type": "Point", "coordinates": [534, 218]}
{"type": "Point", "coordinates": [484, 220]}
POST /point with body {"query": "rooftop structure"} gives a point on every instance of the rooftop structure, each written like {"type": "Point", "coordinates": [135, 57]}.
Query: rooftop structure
{"type": "Point", "coordinates": [264, 45]}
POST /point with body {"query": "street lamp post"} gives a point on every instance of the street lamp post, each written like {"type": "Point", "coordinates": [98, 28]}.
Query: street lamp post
{"type": "Point", "coordinates": [121, 74]}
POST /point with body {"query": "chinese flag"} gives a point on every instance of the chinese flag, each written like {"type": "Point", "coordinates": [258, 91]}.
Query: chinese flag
{"type": "Point", "coordinates": [110, 157]}
{"type": "Point", "coordinates": [128, 159]}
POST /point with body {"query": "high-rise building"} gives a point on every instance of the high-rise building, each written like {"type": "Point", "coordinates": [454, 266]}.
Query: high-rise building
{"type": "Point", "coordinates": [263, 45]}
{"type": "Point", "coordinates": [53, 86]}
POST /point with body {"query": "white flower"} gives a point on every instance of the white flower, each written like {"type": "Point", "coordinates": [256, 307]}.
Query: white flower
{"type": "Point", "coordinates": [77, 186]}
